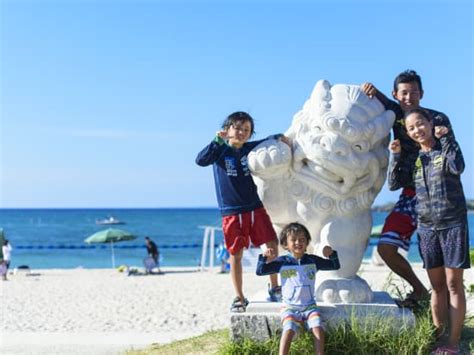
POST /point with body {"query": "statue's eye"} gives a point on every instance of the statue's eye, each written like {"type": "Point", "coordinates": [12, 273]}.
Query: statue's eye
{"type": "Point", "coordinates": [360, 147]}
{"type": "Point", "coordinates": [317, 129]}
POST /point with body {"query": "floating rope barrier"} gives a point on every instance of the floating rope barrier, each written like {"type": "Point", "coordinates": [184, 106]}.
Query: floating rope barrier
{"type": "Point", "coordinates": [372, 242]}
{"type": "Point", "coordinates": [106, 246]}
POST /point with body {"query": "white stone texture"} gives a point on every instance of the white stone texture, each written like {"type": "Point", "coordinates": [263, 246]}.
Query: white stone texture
{"type": "Point", "coordinates": [262, 319]}
{"type": "Point", "coordinates": [329, 179]}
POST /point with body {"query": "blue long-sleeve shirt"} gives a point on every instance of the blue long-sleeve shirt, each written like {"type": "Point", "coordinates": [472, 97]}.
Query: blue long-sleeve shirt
{"type": "Point", "coordinates": [235, 189]}
{"type": "Point", "coordinates": [297, 275]}
{"type": "Point", "coordinates": [401, 174]}
{"type": "Point", "coordinates": [440, 197]}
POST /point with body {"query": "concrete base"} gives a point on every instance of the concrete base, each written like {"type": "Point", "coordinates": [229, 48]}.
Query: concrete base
{"type": "Point", "coordinates": [262, 319]}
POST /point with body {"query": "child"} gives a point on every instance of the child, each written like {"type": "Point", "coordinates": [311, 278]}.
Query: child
{"type": "Point", "coordinates": [297, 271]}
{"type": "Point", "coordinates": [442, 221]}
{"type": "Point", "coordinates": [243, 215]}
{"type": "Point", "coordinates": [400, 224]}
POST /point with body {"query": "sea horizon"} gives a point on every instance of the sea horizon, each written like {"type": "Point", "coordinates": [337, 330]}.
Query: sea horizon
{"type": "Point", "coordinates": [54, 237]}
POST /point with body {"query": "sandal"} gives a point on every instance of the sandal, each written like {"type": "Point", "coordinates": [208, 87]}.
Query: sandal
{"type": "Point", "coordinates": [446, 350]}
{"type": "Point", "coordinates": [412, 302]}
{"type": "Point", "coordinates": [238, 305]}
{"type": "Point", "coordinates": [274, 293]}
{"type": "Point", "coordinates": [409, 302]}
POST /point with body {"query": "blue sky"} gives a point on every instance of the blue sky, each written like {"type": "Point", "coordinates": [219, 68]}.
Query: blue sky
{"type": "Point", "coordinates": [106, 103]}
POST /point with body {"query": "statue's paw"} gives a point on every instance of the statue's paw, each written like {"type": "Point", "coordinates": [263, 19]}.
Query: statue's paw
{"type": "Point", "coordinates": [351, 290]}
{"type": "Point", "coordinates": [270, 158]}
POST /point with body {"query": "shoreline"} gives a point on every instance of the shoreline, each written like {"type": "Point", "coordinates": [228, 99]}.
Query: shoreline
{"type": "Point", "coordinates": [102, 311]}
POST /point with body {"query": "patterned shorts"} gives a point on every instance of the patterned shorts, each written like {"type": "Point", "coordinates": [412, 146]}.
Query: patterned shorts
{"type": "Point", "coordinates": [446, 247]}
{"type": "Point", "coordinates": [295, 318]}
{"type": "Point", "coordinates": [400, 223]}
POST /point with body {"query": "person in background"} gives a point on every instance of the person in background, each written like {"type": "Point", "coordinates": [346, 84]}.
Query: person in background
{"type": "Point", "coordinates": [5, 259]}
{"type": "Point", "coordinates": [400, 224]}
{"type": "Point", "coordinates": [244, 217]}
{"type": "Point", "coordinates": [153, 251]}
{"type": "Point", "coordinates": [7, 252]}
{"type": "Point", "coordinates": [223, 255]}
{"type": "Point", "coordinates": [298, 275]}
{"type": "Point", "coordinates": [442, 222]}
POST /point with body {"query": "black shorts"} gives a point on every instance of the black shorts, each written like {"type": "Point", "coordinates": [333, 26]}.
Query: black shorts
{"type": "Point", "coordinates": [446, 247]}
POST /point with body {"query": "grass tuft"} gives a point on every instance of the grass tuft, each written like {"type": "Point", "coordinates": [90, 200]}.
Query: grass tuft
{"type": "Point", "coordinates": [375, 336]}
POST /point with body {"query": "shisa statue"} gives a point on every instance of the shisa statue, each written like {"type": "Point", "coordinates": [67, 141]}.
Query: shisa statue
{"type": "Point", "coordinates": [329, 179]}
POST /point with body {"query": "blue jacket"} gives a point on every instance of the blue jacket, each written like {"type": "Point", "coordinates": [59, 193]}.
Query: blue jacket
{"type": "Point", "coordinates": [236, 192]}
{"type": "Point", "coordinates": [401, 174]}
{"type": "Point", "coordinates": [440, 198]}
{"type": "Point", "coordinates": [297, 276]}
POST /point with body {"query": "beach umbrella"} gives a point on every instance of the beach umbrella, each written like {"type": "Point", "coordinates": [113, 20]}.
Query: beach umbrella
{"type": "Point", "coordinates": [111, 236]}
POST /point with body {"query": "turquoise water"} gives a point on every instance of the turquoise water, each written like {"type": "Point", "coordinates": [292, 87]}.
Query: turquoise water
{"type": "Point", "coordinates": [53, 238]}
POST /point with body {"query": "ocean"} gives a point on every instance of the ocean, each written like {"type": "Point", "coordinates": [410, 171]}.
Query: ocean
{"type": "Point", "coordinates": [54, 238]}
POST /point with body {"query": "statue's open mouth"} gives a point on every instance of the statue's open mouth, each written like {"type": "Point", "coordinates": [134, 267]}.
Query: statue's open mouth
{"type": "Point", "coordinates": [316, 175]}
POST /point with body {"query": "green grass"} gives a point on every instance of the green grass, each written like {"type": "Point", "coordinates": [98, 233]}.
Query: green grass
{"type": "Point", "coordinates": [346, 339]}
{"type": "Point", "coordinates": [372, 337]}
{"type": "Point", "coordinates": [208, 343]}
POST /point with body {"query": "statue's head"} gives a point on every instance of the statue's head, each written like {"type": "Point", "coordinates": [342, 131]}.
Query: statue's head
{"type": "Point", "coordinates": [340, 147]}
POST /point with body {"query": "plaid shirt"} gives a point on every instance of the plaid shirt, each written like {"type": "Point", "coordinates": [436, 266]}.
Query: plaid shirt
{"type": "Point", "coordinates": [440, 198]}
{"type": "Point", "coordinates": [401, 174]}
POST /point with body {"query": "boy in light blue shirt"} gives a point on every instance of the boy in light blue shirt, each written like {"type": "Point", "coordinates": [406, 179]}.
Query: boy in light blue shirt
{"type": "Point", "coordinates": [298, 274]}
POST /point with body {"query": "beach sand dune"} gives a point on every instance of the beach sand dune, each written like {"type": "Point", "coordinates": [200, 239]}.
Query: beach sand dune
{"type": "Point", "coordinates": [102, 311]}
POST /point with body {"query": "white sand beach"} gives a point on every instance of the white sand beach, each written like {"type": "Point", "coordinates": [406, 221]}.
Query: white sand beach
{"type": "Point", "coordinates": [84, 311]}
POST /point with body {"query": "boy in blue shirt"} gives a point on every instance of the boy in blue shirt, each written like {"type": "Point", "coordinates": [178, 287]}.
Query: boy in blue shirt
{"type": "Point", "coordinates": [298, 272]}
{"type": "Point", "coordinates": [244, 218]}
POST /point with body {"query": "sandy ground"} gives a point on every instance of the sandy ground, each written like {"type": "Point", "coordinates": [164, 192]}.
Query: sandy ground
{"type": "Point", "coordinates": [106, 312]}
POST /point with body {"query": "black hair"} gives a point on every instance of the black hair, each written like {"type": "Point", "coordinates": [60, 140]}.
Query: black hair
{"type": "Point", "coordinates": [291, 229]}
{"type": "Point", "coordinates": [421, 112]}
{"type": "Point", "coordinates": [408, 76]}
{"type": "Point", "coordinates": [239, 116]}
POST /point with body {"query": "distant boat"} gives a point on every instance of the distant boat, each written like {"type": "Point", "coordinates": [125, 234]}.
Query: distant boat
{"type": "Point", "coordinates": [109, 220]}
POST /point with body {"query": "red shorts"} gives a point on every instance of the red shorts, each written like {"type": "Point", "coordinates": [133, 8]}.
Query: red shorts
{"type": "Point", "coordinates": [240, 229]}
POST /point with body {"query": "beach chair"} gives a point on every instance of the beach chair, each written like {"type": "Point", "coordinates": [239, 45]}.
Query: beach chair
{"type": "Point", "coordinates": [149, 264]}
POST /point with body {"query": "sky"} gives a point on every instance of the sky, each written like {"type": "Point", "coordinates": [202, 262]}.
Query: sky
{"type": "Point", "coordinates": [107, 103]}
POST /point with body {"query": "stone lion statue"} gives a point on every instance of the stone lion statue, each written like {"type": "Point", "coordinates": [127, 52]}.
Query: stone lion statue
{"type": "Point", "coordinates": [329, 179]}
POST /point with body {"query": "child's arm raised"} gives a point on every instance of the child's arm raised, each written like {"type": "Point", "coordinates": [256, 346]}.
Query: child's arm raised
{"type": "Point", "coordinates": [332, 261]}
{"type": "Point", "coordinates": [454, 160]}
{"type": "Point", "coordinates": [399, 171]}
{"type": "Point", "coordinates": [213, 151]}
{"type": "Point", "coordinates": [266, 267]}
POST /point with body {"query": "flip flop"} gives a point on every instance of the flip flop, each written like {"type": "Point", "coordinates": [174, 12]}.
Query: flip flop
{"type": "Point", "coordinates": [411, 301]}
{"type": "Point", "coordinates": [446, 350]}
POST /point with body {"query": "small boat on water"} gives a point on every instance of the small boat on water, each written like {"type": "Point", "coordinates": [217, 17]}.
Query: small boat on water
{"type": "Point", "coordinates": [109, 220]}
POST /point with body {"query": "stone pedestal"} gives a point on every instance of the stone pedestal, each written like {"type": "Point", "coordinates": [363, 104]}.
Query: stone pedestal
{"type": "Point", "coordinates": [262, 319]}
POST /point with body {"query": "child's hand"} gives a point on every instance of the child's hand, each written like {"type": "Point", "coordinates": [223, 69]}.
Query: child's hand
{"type": "Point", "coordinates": [269, 254]}
{"type": "Point", "coordinates": [395, 146]}
{"type": "Point", "coordinates": [440, 131]}
{"type": "Point", "coordinates": [327, 251]}
{"type": "Point", "coordinates": [286, 140]}
{"type": "Point", "coordinates": [222, 134]}
{"type": "Point", "coordinates": [369, 89]}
